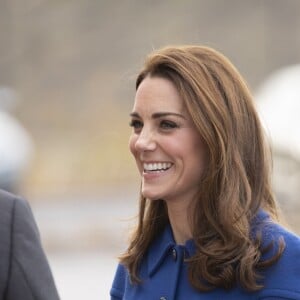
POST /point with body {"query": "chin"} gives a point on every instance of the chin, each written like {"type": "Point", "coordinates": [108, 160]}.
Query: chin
{"type": "Point", "coordinates": [151, 196]}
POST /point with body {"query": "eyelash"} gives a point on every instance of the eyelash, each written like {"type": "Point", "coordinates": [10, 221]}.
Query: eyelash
{"type": "Point", "coordinates": [135, 124]}
{"type": "Point", "coordinates": [165, 125]}
{"type": "Point", "coordinates": [168, 124]}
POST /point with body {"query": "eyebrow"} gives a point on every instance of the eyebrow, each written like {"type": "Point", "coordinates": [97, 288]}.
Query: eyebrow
{"type": "Point", "coordinates": [158, 115]}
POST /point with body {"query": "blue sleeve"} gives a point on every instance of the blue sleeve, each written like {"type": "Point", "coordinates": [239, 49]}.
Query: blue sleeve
{"type": "Point", "coordinates": [118, 285]}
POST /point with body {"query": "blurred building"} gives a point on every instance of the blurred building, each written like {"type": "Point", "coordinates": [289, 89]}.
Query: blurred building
{"type": "Point", "coordinates": [278, 101]}
{"type": "Point", "coordinates": [74, 64]}
{"type": "Point", "coordinates": [16, 146]}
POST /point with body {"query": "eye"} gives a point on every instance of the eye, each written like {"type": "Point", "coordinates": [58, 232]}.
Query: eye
{"type": "Point", "coordinates": [168, 124]}
{"type": "Point", "coordinates": [136, 125]}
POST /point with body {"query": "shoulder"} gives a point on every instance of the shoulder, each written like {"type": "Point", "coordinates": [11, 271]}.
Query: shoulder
{"type": "Point", "coordinates": [9, 204]}
{"type": "Point", "coordinates": [282, 278]}
{"type": "Point", "coordinates": [118, 285]}
{"type": "Point", "coordinates": [290, 259]}
{"type": "Point", "coordinates": [15, 216]}
{"type": "Point", "coordinates": [272, 233]}
{"type": "Point", "coordinates": [7, 201]}
{"type": "Point", "coordinates": [27, 274]}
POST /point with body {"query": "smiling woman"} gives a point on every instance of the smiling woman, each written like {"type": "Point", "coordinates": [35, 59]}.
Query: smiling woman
{"type": "Point", "coordinates": [208, 222]}
{"type": "Point", "coordinates": [166, 146]}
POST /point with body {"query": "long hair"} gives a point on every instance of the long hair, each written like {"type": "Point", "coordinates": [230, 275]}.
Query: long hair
{"type": "Point", "coordinates": [236, 182]}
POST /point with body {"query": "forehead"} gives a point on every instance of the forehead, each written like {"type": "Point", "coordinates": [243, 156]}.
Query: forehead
{"type": "Point", "coordinates": [157, 93]}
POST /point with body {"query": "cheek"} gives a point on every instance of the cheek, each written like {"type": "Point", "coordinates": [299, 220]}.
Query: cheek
{"type": "Point", "coordinates": [197, 153]}
{"type": "Point", "coordinates": [201, 158]}
{"type": "Point", "coordinates": [134, 152]}
{"type": "Point", "coordinates": [131, 144]}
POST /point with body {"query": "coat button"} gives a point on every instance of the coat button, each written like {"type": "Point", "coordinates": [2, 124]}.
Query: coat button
{"type": "Point", "coordinates": [174, 254]}
{"type": "Point", "coordinates": [162, 298]}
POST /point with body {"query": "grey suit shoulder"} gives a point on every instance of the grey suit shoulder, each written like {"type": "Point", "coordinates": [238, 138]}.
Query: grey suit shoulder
{"type": "Point", "coordinates": [24, 271]}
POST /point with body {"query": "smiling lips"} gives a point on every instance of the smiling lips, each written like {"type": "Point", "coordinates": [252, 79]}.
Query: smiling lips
{"type": "Point", "coordinates": [157, 167]}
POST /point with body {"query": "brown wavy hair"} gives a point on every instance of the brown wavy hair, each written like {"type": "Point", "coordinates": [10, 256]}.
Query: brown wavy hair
{"type": "Point", "coordinates": [236, 183]}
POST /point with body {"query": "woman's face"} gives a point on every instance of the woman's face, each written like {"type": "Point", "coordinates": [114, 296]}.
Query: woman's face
{"type": "Point", "coordinates": [168, 150]}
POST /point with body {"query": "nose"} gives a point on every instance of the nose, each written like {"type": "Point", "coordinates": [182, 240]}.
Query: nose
{"type": "Point", "coordinates": [145, 141]}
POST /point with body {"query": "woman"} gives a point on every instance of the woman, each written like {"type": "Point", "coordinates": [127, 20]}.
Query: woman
{"type": "Point", "coordinates": [208, 222]}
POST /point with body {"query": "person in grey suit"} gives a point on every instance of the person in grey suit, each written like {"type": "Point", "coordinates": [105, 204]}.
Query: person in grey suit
{"type": "Point", "coordinates": [24, 270]}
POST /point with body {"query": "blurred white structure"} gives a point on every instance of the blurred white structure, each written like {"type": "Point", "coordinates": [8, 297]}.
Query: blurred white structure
{"type": "Point", "coordinates": [16, 146]}
{"type": "Point", "coordinates": [278, 102]}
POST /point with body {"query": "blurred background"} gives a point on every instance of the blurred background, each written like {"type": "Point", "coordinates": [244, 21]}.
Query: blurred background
{"type": "Point", "coordinates": [67, 71]}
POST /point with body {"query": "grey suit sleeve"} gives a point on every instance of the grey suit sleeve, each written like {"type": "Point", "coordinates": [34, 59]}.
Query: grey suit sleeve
{"type": "Point", "coordinates": [29, 272]}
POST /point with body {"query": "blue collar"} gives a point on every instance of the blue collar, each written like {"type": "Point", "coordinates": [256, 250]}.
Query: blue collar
{"type": "Point", "coordinates": [162, 246]}
{"type": "Point", "coordinates": [165, 242]}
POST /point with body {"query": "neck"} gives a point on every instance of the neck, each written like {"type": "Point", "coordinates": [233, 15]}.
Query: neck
{"type": "Point", "coordinates": [178, 216]}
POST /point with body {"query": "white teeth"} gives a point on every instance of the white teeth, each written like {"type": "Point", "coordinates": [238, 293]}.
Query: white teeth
{"type": "Point", "coordinates": [157, 166]}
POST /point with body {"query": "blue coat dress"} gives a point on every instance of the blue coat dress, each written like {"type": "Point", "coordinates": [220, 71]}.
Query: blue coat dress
{"type": "Point", "coordinates": [164, 272]}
